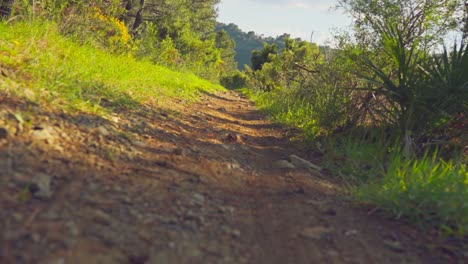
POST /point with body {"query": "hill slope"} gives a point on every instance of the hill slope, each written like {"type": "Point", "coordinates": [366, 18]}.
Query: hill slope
{"type": "Point", "coordinates": [40, 65]}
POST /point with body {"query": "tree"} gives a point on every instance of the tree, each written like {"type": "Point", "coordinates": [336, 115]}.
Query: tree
{"type": "Point", "coordinates": [227, 47]}
{"type": "Point", "coordinates": [260, 57]}
{"type": "Point", "coordinates": [394, 42]}
{"type": "Point", "coordinates": [423, 21]}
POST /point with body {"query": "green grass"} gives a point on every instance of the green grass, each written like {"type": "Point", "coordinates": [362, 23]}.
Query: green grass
{"type": "Point", "coordinates": [283, 107]}
{"type": "Point", "coordinates": [428, 191]}
{"type": "Point", "coordinates": [43, 66]}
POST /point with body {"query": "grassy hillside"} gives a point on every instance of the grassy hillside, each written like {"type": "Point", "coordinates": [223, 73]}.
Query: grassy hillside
{"type": "Point", "coordinates": [42, 66]}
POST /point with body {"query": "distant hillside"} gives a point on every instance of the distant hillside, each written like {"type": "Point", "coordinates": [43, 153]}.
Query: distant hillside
{"type": "Point", "coordinates": [247, 42]}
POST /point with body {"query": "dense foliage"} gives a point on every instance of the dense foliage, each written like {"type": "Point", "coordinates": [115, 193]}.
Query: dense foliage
{"type": "Point", "coordinates": [248, 42]}
{"type": "Point", "coordinates": [179, 34]}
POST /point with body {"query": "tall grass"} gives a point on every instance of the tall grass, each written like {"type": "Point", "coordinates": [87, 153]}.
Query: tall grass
{"type": "Point", "coordinates": [41, 65]}
{"type": "Point", "coordinates": [428, 191]}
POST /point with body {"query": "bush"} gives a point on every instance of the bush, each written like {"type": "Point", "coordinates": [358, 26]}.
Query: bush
{"type": "Point", "coordinates": [235, 81]}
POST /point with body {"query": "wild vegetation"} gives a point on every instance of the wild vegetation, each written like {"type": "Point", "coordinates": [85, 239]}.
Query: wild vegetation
{"type": "Point", "coordinates": [387, 108]}
{"type": "Point", "coordinates": [167, 33]}
{"type": "Point", "coordinates": [99, 60]}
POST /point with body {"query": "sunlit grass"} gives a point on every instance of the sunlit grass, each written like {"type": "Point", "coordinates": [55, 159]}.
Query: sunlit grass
{"type": "Point", "coordinates": [40, 65]}
{"type": "Point", "coordinates": [428, 191]}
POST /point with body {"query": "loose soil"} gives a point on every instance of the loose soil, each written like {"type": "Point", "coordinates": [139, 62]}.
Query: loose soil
{"type": "Point", "coordinates": [206, 182]}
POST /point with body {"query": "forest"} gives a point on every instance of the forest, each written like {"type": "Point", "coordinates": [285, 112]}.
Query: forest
{"type": "Point", "coordinates": [384, 112]}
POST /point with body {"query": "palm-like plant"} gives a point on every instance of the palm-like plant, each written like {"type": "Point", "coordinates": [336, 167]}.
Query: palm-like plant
{"type": "Point", "coordinates": [448, 81]}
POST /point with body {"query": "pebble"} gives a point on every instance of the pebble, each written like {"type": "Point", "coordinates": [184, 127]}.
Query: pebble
{"type": "Point", "coordinates": [224, 209]}
{"type": "Point", "coordinates": [283, 164]}
{"type": "Point", "coordinates": [352, 232]}
{"type": "Point", "coordinates": [302, 163]}
{"type": "Point", "coordinates": [42, 186]}
{"type": "Point", "coordinates": [316, 232]}
{"type": "Point", "coordinates": [198, 199]}
{"type": "Point", "coordinates": [101, 217]}
{"type": "Point", "coordinates": [43, 133]}
{"type": "Point", "coordinates": [181, 152]}
{"type": "Point", "coordinates": [74, 230]}
{"type": "Point", "coordinates": [103, 131]}
{"type": "Point", "coordinates": [35, 237]}
{"type": "Point", "coordinates": [140, 144]}
{"type": "Point", "coordinates": [228, 147]}
{"type": "Point", "coordinates": [58, 261]}
{"type": "Point", "coordinates": [394, 245]}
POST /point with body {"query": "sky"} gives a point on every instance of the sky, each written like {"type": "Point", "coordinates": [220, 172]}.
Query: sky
{"type": "Point", "coordinates": [274, 17]}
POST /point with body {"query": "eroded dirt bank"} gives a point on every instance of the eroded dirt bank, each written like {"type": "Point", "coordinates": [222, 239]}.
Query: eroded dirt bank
{"type": "Point", "coordinates": [211, 182]}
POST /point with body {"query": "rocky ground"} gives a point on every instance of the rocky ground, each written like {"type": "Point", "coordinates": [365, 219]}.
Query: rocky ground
{"type": "Point", "coordinates": [210, 182]}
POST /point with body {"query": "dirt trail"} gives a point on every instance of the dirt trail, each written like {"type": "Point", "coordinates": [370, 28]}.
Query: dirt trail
{"type": "Point", "coordinates": [205, 183]}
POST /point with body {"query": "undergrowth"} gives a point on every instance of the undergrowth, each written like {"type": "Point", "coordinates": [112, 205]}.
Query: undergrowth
{"type": "Point", "coordinates": [42, 66]}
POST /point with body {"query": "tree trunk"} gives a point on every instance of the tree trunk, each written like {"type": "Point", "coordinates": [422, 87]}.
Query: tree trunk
{"type": "Point", "coordinates": [5, 8]}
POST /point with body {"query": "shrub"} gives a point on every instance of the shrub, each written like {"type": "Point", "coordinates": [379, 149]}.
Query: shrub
{"type": "Point", "coordinates": [236, 80]}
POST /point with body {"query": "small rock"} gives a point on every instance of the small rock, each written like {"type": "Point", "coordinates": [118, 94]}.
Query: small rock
{"type": "Point", "coordinates": [198, 199]}
{"type": "Point", "coordinates": [181, 152]}
{"type": "Point", "coordinates": [394, 245]}
{"type": "Point", "coordinates": [126, 199]}
{"type": "Point", "coordinates": [302, 163]}
{"type": "Point", "coordinates": [316, 232]}
{"type": "Point", "coordinates": [352, 232]}
{"type": "Point", "coordinates": [43, 133]}
{"type": "Point", "coordinates": [103, 131]}
{"type": "Point", "coordinates": [42, 186]}
{"type": "Point", "coordinates": [3, 133]}
{"type": "Point", "coordinates": [235, 233]}
{"type": "Point", "coordinates": [101, 217]}
{"type": "Point", "coordinates": [58, 261]}
{"type": "Point", "coordinates": [233, 165]}
{"type": "Point", "coordinates": [283, 164]}
{"type": "Point", "coordinates": [35, 237]}
{"type": "Point", "coordinates": [222, 109]}
{"type": "Point", "coordinates": [226, 209]}
{"type": "Point", "coordinates": [140, 144]}
{"type": "Point", "coordinates": [232, 137]}
{"type": "Point", "coordinates": [231, 231]}
{"type": "Point", "coordinates": [227, 147]}
{"type": "Point", "coordinates": [74, 230]}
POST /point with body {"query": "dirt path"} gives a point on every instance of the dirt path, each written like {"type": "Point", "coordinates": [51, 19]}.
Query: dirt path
{"type": "Point", "coordinates": [206, 183]}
